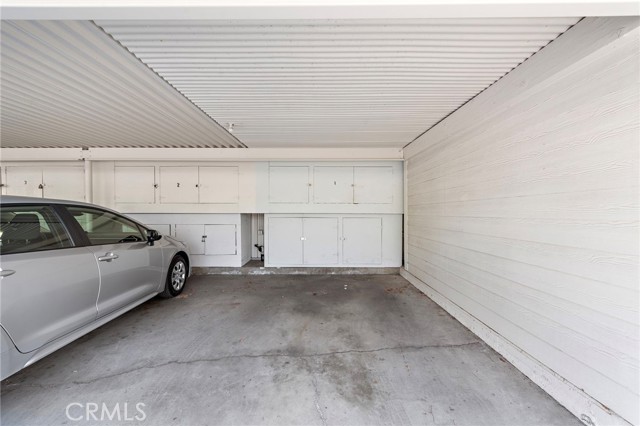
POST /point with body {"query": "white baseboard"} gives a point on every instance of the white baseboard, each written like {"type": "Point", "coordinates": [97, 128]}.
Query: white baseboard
{"type": "Point", "coordinates": [579, 403]}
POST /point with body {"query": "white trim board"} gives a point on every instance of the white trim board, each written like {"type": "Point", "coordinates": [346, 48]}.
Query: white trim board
{"type": "Point", "coordinates": [579, 403]}
{"type": "Point", "coordinates": [199, 154]}
{"type": "Point", "coordinates": [312, 9]}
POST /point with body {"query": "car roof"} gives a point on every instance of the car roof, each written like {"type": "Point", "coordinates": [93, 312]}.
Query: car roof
{"type": "Point", "coordinates": [16, 199]}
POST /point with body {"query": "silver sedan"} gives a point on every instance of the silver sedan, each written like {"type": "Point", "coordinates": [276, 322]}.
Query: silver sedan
{"type": "Point", "coordinates": [66, 268]}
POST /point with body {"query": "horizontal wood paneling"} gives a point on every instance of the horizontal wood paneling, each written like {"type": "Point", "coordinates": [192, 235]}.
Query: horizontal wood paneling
{"type": "Point", "coordinates": [523, 210]}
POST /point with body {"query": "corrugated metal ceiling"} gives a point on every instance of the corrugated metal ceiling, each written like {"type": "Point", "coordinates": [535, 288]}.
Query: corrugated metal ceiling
{"type": "Point", "coordinates": [282, 83]}
{"type": "Point", "coordinates": [68, 84]}
{"type": "Point", "coordinates": [356, 83]}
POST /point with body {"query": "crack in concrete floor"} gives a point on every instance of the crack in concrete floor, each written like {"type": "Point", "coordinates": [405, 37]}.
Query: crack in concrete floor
{"type": "Point", "coordinates": [12, 386]}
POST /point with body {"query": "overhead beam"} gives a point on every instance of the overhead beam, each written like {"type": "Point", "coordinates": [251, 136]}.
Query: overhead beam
{"type": "Point", "coordinates": [198, 154]}
{"type": "Point", "coordinates": [311, 9]}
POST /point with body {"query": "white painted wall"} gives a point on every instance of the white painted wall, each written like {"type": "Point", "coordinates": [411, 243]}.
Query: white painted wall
{"type": "Point", "coordinates": [522, 218]}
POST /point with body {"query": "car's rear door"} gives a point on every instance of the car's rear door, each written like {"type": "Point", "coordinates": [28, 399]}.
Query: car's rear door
{"type": "Point", "coordinates": [49, 285]}
{"type": "Point", "coordinates": [130, 269]}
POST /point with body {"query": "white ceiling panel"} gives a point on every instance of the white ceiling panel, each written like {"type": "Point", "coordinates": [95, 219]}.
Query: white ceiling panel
{"type": "Point", "coordinates": [69, 84]}
{"type": "Point", "coordinates": [323, 83]}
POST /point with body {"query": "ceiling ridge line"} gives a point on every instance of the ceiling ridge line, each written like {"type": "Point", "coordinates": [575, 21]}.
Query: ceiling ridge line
{"type": "Point", "coordinates": [242, 144]}
{"type": "Point", "coordinates": [483, 90]}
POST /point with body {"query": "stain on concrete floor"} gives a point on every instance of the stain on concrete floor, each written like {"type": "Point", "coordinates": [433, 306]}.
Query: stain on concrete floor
{"type": "Point", "coordinates": [284, 350]}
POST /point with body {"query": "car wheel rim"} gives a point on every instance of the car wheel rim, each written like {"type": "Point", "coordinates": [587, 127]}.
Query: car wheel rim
{"type": "Point", "coordinates": [178, 276]}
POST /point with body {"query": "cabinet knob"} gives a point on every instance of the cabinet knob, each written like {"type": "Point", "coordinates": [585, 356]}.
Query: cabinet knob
{"type": "Point", "coordinates": [41, 186]}
{"type": "Point", "coordinates": [155, 185]}
{"type": "Point", "coordinates": [197, 186]}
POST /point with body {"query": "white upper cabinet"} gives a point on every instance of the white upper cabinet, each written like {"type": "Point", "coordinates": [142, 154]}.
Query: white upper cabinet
{"type": "Point", "coordinates": [333, 184]}
{"type": "Point", "coordinates": [135, 184]}
{"type": "Point", "coordinates": [373, 185]}
{"type": "Point", "coordinates": [26, 181]}
{"type": "Point", "coordinates": [178, 184]}
{"type": "Point", "coordinates": [289, 184]}
{"type": "Point", "coordinates": [65, 183]}
{"type": "Point", "coordinates": [219, 184]}
{"type": "Point", "coordinates": [61, 182]}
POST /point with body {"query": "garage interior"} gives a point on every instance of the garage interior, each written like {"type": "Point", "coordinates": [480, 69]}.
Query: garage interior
{"type": "Point", "coordinates": [423, 213]}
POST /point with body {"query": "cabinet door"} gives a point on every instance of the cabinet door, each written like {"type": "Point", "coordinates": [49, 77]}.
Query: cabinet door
{"type": "Point", "coordinates": [373, 185]}
{"type": "Point", "coordinates": [24, 181]}
{"type": "Point", "coordinates": [221, 239]}
{"type": "Point", "coordinates": [333, 185]}
{"type": "Point", "coordinates": [66, 183]}
{"type": "Point", "coordinates": [192, 236]}
{"type": "Point", "coordinates": [289, 184]}
{"type": "Point", "coordinates": [362, 240]}
{"type": "Point", "coordinates": [284, 241]}
{"type": "Point", "coordinates": [135, 184]}
{"type": "Point", "coordinates": [178, 184]}
{"type": "Point", "coordinates": [320, 240]}
{"type": "Point", "coordinates": [219, 184]}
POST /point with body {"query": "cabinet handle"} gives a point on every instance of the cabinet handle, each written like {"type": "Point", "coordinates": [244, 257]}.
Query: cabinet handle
{"type": "Point", "coordinates": [178, 185]}
{"type": "Point", "coordinates": [204, 237]}
{"type": "Point", "coordinates": [41, 186]}
{"type": "Point", "coordinates": [155, 185]}
{"type": "Point", "coordinates": [309, 184]}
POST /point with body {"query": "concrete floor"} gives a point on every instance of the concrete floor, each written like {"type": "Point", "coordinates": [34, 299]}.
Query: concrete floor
{"type": "Point", "coordinates": [279, 350]}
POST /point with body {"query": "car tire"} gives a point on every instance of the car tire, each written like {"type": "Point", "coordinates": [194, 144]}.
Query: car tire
{"type": "Point", "coordinates": [176, 277]}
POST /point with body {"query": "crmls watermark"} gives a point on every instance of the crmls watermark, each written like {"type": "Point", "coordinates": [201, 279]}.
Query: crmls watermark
{"type": "Point", "coordinates": [92, 411]}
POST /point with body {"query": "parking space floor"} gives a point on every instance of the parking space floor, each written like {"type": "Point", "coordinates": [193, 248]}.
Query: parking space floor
{"type": "Point", "coordinates": [280, 350]}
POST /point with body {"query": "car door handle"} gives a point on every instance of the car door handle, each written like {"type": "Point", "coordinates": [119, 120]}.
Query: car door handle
{"type": "Point", "coordinates": [108, 257]}
{"type": "Point", "coordinates": [6, 272]}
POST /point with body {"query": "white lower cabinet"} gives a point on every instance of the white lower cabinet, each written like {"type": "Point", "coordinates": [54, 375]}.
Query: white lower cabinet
{"type": "Point", "coordinates": [334, 240]}
{"type": "Point", "coordinates": [320, 244]}
{"type": "Point", "coordinates": [213, 240]}
{"type": "Point", "coordinates": [192, 235]}
{"type": "Point", "coordinates": [220, 239]}
{"type": "Point", "coordinates": [303, 241]}
{"type": "Point", "coordinates": [208, 240]}
{"type": "Point", "coordinates": [362, 240]}
{"type": "Point", "coordinates": [285, 241]}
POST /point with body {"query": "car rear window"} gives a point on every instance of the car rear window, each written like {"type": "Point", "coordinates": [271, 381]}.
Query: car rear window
{"type": "Point", "coordinates": [25, 229]}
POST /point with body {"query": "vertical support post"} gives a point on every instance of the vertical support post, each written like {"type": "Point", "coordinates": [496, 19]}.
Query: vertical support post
{"type": "Point", "coordinates": [88, 180]}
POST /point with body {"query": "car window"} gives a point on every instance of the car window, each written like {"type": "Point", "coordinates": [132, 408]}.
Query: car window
{"type": "Point", "coordinates": [103, 227]}
{"type": "Point", "coordinates": [26, 229]}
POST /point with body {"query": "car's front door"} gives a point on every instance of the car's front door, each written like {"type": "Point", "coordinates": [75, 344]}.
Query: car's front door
{"type": "Point", "coordinates": [48, 286]}
{"type": "Point", "coordinates": [130, 269]}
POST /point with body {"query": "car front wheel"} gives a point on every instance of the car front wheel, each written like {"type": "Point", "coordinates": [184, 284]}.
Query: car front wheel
{"type": "Point", "coordinates": [176, 277]}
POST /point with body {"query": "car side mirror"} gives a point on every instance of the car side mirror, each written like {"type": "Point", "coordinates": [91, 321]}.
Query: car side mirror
{"type": "Point", "coordinates": [152, 236]}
